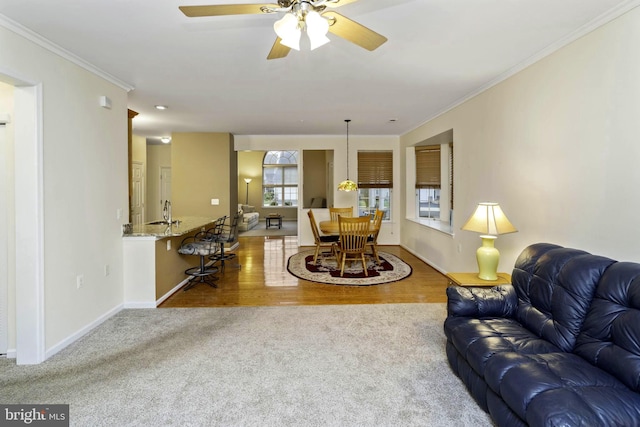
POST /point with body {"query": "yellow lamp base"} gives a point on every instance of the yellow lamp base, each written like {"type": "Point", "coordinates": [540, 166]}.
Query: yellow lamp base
{"type": "Point", "coordinates": [488, 257]}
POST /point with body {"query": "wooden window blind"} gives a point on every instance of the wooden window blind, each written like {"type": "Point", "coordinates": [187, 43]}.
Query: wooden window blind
{"type": "Point", "coordinates": [428, 166]}
{"type": "Point", "coordinates": [375, 169]}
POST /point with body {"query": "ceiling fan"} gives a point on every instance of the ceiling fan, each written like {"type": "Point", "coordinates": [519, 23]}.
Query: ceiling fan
{"type": "Point", "coordinates": [310, 16]}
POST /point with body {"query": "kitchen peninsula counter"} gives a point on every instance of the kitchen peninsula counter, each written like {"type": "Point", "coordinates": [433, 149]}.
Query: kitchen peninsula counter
{"type": "Point", "coordinates": [184, 226]}
{"type": "Point", "coordinates": [153, 268]}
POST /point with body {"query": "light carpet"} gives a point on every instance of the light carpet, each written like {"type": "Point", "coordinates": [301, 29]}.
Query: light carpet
{"type": "Point", "coordinates": [289, 228]}
{"type": "Point", "coordinates": [326, 269]}
{"type": "Point", "coordinates": [344, 365]}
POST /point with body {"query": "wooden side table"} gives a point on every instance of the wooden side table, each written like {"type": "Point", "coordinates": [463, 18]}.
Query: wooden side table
{"type": "Point", "coordinates": [269, 219]}
{"type": "Point", "coordinates": [472, 279]}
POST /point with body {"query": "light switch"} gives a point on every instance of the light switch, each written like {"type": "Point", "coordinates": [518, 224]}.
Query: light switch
{"type": "Point", "coordinates": [215, 202]}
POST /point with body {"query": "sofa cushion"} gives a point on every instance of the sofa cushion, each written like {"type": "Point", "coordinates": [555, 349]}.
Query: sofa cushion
{"type": "Point", "coordinates": [539, 388]}
{"type": "Point", "coordinates": [478, 340]}
{"type": "Point", "coordinates": [610, 337]}
{"type": "Point", "coordinates": [497, 301]}
{"type": "Point", "coordinates": [555, 286]}
{"type": "Point", "coordinates": [250, 216]}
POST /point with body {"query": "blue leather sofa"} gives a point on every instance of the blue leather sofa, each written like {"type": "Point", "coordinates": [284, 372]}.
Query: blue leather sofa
{"type": "Point", "coordinates": [560, 346]}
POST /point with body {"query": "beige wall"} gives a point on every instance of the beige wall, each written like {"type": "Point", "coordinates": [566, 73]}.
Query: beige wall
{"type": "Point", "coordinates": [139, 149]}
{"type": "Point", "coordinates": [250, 166]}
{"type": "Point", "coordinates": [314, 176]}
{"type": "Point", "coordinates": [84, 186]}
{"type": "Point", "coordinates": [203, 167]}
{"type": "Point", "coordinates": [556, 145]}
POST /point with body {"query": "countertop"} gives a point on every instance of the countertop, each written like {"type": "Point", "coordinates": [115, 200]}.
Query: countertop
{"type": "Point", "coordinates": [186, 225]}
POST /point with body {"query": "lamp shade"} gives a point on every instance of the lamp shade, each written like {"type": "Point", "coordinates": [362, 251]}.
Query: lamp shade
{"type": "Point", "coordinates": [490, 220]}
{"type": "Point", "coordinates": [288, 30]}
{"type": "Point", "coordinates": [347, 185]}
{"type": "Point", "coordinates": [247, 180]}
{"type": "Point", "coordinates": [317, 29]}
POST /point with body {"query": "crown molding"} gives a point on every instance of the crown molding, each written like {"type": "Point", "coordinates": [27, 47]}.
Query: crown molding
{"type": "Point", "coordinates": [590, 26]}
{"type": "Point", "coordinates": [36, 38]}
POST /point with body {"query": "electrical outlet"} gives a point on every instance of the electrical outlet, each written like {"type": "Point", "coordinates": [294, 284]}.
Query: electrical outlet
{"type": "Point", "coordinates": [79, 281]}
{"type": "Point", "coordinates": [215, 202]}
{"type": "Point", "coordinates": [107, 270]}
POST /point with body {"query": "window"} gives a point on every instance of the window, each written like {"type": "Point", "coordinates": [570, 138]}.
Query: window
{"type": "Point", "coordinates": [375, 182]}
{"type": "Point", "coordinates": [280, 178]}
{"type": "Point", "coordinates": [429, 182]}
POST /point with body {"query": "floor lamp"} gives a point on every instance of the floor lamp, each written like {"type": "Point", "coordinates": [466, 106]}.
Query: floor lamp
{"type": "Point", "coordinates": [247, 180]}
{"type": "Point", "coordinates": [489, 220]}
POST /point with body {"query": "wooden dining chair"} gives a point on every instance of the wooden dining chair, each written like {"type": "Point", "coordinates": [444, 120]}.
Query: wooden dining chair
{"type": "Point", "coordinates": [321, 241]}
{"type": "Point", "coordinates": [353, 240]}
{"type": "Point", "coordinates": [372, 240]}
{"type": "Point", "coordinates": [336, 212]}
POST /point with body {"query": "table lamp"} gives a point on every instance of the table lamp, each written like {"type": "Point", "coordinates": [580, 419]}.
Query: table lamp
{"type": "Point", "coordinates": [489, 220]}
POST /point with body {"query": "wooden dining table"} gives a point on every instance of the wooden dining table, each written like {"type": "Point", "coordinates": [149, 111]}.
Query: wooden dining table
{"type": "Point", "coordinates": [332, 227]}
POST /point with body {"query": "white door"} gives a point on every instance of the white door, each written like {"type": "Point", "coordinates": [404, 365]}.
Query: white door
{"type": "Point", "coordinates": [165, 186]}
{"type": "Point", "coordinates": [4, 242]}
{"type": "Point", "coordinates": [137, 193]}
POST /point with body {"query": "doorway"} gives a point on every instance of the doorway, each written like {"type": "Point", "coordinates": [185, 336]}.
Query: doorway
{"type": "Point", "coordinates": [4, 238]}
{"type": "Point", "coordinates": [165, 185]}
{"type": "Point", "coordinates": [25, 254]}
{"type": "Point", "coordinates": [137, 193]}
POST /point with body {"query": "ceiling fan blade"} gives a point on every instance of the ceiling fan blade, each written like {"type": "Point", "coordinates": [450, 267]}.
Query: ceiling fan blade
{"type": "Point", "coordinates": [278, 50]}
{"type": "Point", "coordinates": [354, 32]}
{"type": "Point", "coordinates": [338, 3]}
{"type": "Point", "coordinates": [226, 9]}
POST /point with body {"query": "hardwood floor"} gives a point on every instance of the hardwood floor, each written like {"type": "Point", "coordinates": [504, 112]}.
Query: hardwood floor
{"type": "Point", "coordinates": [263, 280]}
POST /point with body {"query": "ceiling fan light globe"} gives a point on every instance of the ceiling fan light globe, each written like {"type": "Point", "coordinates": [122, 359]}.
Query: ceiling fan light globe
{"type": "Point", "coordinates": [288, 30]}
{"type": "Point", "coordinates": [317, 29]}
{"type": "Point", "coordinates": [292, 41]}
{"type": "Point", "coordinates": [317, 41]}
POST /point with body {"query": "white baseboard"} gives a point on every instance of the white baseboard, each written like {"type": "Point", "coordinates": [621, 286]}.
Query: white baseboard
{"type": "Point", "coordinates": [437, 267]}
{"type": "Point", "coordinates": [171, 292]}
{"type": "Point", "coordinates": [79, 334]}
{"type": "Point", "coordinates": [141, 304]}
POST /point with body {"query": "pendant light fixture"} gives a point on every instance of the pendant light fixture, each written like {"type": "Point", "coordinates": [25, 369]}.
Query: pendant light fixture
{"type": "Point", "coordinates": [347, 185]}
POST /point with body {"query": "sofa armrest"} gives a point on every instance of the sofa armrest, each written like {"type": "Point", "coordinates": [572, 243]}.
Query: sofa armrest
{"type": "Point", "coordinates": [498, 301]}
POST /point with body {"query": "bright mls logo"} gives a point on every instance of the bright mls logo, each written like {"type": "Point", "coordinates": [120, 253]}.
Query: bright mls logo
{"type": "Point", "coordinates": [34, 415]}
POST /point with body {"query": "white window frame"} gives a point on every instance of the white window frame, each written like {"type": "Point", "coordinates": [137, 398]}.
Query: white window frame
{"type": "Point", "coordinates": [445, 222]}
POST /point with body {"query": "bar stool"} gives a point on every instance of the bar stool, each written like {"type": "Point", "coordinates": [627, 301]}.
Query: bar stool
{"type": "Point", "coordinates": [227, 234]}
{"type": "Point", "coordinates": [204, 245]}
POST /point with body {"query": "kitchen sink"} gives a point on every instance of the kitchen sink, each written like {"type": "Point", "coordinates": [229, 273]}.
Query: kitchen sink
{"type": "Point", "coordinates": [162, 222]}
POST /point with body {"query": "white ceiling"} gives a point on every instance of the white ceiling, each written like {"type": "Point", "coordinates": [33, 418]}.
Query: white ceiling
{"type": "Point", "coordinates": [213, 74]}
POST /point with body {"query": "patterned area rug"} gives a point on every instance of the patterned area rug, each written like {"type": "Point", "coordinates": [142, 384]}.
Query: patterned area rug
{"type": "Point", "coordinates": [391, 269]}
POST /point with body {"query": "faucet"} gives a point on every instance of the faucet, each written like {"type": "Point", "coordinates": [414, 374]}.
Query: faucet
{"type": "Point", "coordinates": [166, 212]}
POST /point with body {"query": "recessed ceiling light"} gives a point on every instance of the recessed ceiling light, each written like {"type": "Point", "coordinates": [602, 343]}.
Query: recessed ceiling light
{"type": "Point", "coordinates": [161, 107]}
{"type": "Point", "coordinates": [165, 139]}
